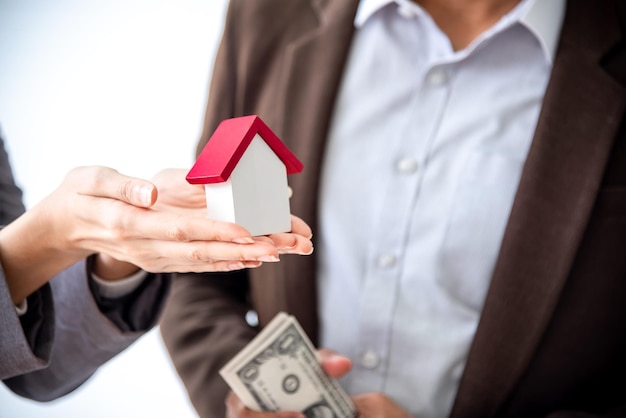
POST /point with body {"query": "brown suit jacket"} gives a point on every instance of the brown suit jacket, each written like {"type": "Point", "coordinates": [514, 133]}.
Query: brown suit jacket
{"type": "Point", "coordinates": [552, 335]}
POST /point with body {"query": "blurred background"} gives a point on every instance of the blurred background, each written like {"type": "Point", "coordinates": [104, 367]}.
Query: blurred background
{"type": "Point", "coordinates": [121, 83]}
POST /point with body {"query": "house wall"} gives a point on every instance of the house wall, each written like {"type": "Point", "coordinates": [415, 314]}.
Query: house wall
{"type": "Point", "coordinates": [219, 201]}
{"type": "Point", "coordinates": [260, 190]}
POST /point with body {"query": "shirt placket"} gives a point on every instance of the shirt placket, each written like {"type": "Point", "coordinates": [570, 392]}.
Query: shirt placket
{"type": "Point", "coordinates": [401, 199]}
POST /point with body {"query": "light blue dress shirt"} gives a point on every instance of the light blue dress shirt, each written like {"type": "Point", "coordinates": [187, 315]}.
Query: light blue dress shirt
{"type": "Point", "coordinates": [425, 154]}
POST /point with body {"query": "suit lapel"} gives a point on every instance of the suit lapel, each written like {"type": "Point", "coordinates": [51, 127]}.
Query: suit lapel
{"type": "Point", "coordinates": [313, 66]}
{"type": "Point", "coordinates": [580, 116]}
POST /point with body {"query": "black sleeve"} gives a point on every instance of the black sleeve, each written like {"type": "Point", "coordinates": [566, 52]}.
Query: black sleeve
{"type": "Point", "coordinates": [140, 309]}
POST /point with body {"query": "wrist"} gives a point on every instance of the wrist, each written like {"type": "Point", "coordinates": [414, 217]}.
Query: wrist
{"type": "Point", "coordinates": [28, 254]}
{"type": "Point", "coordinates": [108, 268]}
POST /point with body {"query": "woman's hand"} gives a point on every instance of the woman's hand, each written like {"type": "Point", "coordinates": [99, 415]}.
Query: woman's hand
{"type": "Point", "coordinates": [176, 195]}
{"type": "Point", "coordinates": [98, 210]}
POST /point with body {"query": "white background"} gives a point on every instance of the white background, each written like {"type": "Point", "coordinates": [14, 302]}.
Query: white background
{"type": "Point", "coordinates": [120, 83]}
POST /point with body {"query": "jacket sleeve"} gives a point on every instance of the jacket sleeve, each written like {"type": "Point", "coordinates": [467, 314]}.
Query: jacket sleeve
{"type": "Point", "coordinates": [203, 327]}
{"type": "Point", "coordinates": [69, 330]}
{"type": "Point", "coordinates": [23, 350]}
{"type": "Point", "coordinates": [64, 344]}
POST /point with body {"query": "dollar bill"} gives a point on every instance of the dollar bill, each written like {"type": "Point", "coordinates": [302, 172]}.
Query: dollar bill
{"type": "Point", "coordinates": [279, 371]}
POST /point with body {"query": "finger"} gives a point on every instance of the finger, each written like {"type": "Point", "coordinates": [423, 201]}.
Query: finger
{"type": "Point", "coordinates": [172, 266]}
{"type": "Point", "coordinates": [335, 365]}
{"type": "Point", "coordinates": [173, 186]}
{"type": "Point", "coordinates": [194, 256]}
{"type": "Point", "coordinates": [263, 238]}
{"type": "Point", "coordinates": [288, 243]}
{"type": "Point", "coordinates": [236, 409]}
{"type": "Point", "coordinates": [107, 182]}
{"type": "Point", "coordinates": [179, 228]}
{"type": "Point", "coordinates": [298, 226]}
{"type": "Point", "coordinates": [129, 222]}
{"type": "Point", "coordinates": [207, 267]}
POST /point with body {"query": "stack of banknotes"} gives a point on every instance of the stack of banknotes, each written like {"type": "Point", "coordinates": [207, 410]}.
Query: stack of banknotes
{"type": "Point", "coordinates": [279, 371]}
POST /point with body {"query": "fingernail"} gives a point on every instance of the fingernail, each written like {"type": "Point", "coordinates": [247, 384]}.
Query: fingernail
{"type": "Point", "coordinates": [145, 195]}
{"type": "Point", "coordinates": [268, 258]}
{"type": "Point", "coordinates": [244, 240]}
{"type": "Point", "coordinates": [309, 253]}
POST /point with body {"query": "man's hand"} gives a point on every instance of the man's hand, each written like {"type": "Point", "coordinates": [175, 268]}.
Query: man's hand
{"type": "Point", "coordinates": [333, 364]}
{"type": "Point", "coordinates": [368, 405]}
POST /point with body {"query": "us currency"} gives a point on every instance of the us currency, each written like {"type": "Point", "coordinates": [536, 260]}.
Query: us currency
{"type": "Point", "coordinates": [279, 371]}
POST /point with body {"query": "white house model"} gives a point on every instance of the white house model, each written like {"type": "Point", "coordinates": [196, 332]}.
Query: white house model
{"type": "Point", "coordinates": [244, 168]}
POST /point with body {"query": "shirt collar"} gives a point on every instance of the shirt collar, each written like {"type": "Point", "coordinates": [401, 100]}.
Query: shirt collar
{"type": "Point", "coordinates": [543, 18]}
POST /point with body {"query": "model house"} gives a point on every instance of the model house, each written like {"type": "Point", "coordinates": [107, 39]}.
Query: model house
{"type": "Point", "coordinates": [244, 168]}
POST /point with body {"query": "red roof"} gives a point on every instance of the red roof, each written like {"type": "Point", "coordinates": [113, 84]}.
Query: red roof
{"type": "Point", "coordinates": [228, 143]}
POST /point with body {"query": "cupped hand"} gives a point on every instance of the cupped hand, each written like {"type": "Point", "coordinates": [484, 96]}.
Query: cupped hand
{"type": "Point", "coordinates": [100, 210]}
{"type": "Point", "coordinates": [333, 364]}
{"type": "Point", "coordinates": [176, 195]}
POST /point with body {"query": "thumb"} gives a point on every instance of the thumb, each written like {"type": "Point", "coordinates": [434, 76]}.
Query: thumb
{"type": "Point", "coordinates": [107, 182]}
{"type": "Point", "coordinates": [138, 192]}
{"type": "Point", "coordinates": [335, 365]}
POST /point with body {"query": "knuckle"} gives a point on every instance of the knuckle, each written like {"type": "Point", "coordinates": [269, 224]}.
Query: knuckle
{"type": "Point", "coordinates": [125, 189]}
{"type": "Point", "coordinates": [177, 233]}
{"type": "Point", "coordinates": [97, 175]}
{"type": "Point", "coordinates": [195, 255]}
{"type": "Point", "coordinates": [115, 229]}
{"type": "Point", "coordinates": [118, 228]}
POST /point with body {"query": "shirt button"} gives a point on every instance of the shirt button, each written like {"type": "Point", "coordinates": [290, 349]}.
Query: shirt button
{"type": "Point", "coordinates": [387, 260]}
{"type": "Point", "coordinates": [438, 78]}
{"type": "Point", "coordinates": [252, 318]}
{"type": "Point", "coordinates": [406, 165]}
{"type": "Point", "coordinates": [370, 359]}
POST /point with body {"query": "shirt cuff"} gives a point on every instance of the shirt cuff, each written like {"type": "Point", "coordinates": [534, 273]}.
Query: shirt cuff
{"type": "Point", "coordinates": [117, 288]}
